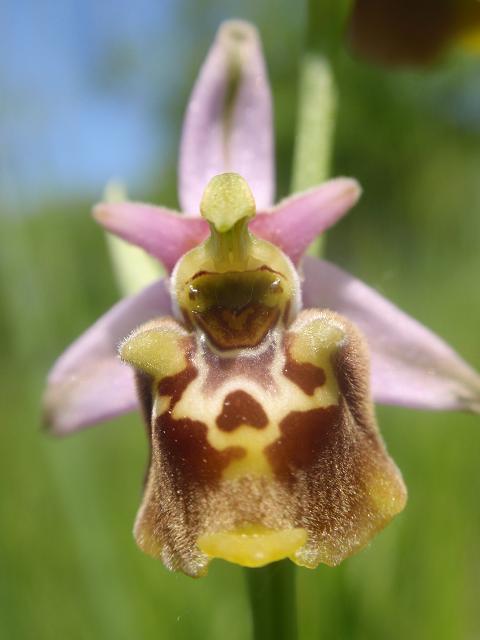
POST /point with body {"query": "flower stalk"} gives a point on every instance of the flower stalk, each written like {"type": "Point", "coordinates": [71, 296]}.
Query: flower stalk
{"type": "Point", "coordinates": [315, 124]}
{"type": "Point", "coordinates": [317, 100]}
{"type": "Point", "coordinates": [272, 593]}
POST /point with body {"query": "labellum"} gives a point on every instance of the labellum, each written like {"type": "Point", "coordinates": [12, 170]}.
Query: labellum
{"type": "Point", "coordinates": [264, 443]}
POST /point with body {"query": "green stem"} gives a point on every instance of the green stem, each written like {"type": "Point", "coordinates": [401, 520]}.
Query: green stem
{"type": "Point", "coordinates": [272, 598]}
{"type": "Point", "coordinates": [315, 128]}
{"type": "Point", "coordinates": [317, 104]}
{"type": "Point", "coordinates": [325, 26]}
{"type": "Point", "coordinates": [316, 122]}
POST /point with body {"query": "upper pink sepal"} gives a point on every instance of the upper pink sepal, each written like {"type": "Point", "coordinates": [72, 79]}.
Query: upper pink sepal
{"type": "Point", "coordinates": [228, 123]}
{"type": "Point", "coordinates": [89, 383]}
{"type": "Point", "coordinates": [296, 221]}
{"type": "Point", "coordinates": [411, 366]}
{"type": "Point", "coordinates": [163, 233]}
{"type": "Point", "coordinates": [292, 225]}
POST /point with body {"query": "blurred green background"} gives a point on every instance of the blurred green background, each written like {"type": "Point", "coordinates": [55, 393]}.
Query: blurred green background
{"type": "Point", "coordinates": [69, 567]}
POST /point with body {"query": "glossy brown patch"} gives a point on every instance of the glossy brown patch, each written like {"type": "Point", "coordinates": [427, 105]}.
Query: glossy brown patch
{"type": "Point", "coordinates": [184, 442]}
{"type": "Point", "coordinates": [205, 272]}
{"type": "Point", "coordinates": [237, 328]}
{"type": "Point", "coordinates": [236, 309]}
{"type": "Point", "coordinates": [304, 436]}
{"type": "Point", "coordinates": [240, 408]}
{"type": "Point", "coordinates": [305, 375]}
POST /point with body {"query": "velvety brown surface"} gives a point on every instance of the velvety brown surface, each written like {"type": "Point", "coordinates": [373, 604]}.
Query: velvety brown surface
{"type": "Point", "coordinates": [304, 436]}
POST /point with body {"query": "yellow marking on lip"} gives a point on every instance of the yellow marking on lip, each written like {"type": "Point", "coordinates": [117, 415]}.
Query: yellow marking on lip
{"type": "Point", "coordinates": [253, 545]}
{"type": "Point", "coordinates": [253, 442]}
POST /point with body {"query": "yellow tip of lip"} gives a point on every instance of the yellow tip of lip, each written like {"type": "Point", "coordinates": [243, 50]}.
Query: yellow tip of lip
{"type": "Point", "coordinates": [253, 545]}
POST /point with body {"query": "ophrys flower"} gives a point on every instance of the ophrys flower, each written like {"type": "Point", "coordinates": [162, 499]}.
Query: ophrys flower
{"type": "Point", "coordinates": [264, 442]}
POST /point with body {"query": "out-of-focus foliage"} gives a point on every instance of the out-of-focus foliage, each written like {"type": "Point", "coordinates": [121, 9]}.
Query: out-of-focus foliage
{"type": "Point", "coordinates": [68, 564]}
{"type": "Point", "coordinates": [414, 32]}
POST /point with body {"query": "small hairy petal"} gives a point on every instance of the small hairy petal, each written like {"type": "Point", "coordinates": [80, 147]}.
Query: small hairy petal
{"type": "Point", "coordinates": [228, 123]}
{"type": "Point", "coordinates": [296, 221]}
{"type": "Point", "coordinates": [88, 383]}
{"type": "Point", "coordinates": [161, 232]}
{"type": "Point", "coordinates": [411, 366]}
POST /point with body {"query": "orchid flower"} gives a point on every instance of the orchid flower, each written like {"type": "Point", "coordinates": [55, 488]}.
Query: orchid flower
{"type": "Point", "coordinates": [264, 443]}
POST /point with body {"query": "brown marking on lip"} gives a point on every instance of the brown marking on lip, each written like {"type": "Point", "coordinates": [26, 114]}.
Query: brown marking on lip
{"type": "Point", "coordinates": [174, 386]}
{"type": "Point", "coordinates": [305, 375]}
{"type": "Point", "coordinates": [239, 408]}
{"type": "Point", "coordinates": [183, 442]}
{"type": "Point", "coordinates": [304, 435]}
{"type": "Point", "coordinates": [144, 384]}
{"type": "Point", "coordinates": [188, 454]}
